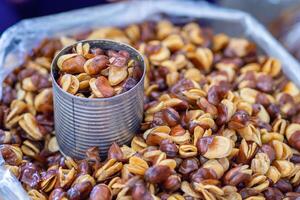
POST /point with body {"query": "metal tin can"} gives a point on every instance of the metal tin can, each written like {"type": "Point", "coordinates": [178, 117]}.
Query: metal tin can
{"type": "Point", "coordinates": [81, 123]}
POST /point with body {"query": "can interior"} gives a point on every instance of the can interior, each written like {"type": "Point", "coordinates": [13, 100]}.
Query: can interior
{"type": "Point", "coordinates": [104, 44]}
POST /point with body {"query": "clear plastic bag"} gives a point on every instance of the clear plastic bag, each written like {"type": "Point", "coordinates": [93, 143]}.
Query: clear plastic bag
{"type": "Point", "coordinates": [10, 187]}
{"type": "Point", "coordinates": [22, 37]}
{"type": "Point", "coordinates": [287, 29]}
{"type": "Point", "coordinates": [258, 8]}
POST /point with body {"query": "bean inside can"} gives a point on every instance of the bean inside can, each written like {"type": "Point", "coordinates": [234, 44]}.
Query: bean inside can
{"type": "Point", "coordinates": [97, 73]}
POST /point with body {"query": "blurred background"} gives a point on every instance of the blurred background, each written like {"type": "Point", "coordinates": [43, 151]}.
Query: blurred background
{"type": "Point", "coordinates": [13, 11]}
{"type": "Point", "coordinates": [281, 17]}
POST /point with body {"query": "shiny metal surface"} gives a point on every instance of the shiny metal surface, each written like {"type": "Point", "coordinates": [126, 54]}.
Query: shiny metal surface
{"type": "Point", "coordinates": [81, 123]}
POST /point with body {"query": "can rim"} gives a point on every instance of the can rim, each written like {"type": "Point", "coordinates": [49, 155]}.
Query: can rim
{"type": "Point", "coordinates": [55, 84]}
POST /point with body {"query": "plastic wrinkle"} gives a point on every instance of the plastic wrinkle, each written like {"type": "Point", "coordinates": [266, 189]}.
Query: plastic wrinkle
{"type": "Point", "coordinates": [10, 187]}
{"type": "Point", "coordinates": [21, 38]}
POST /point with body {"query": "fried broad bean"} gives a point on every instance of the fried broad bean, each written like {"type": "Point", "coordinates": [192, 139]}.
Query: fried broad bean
{"type": "Point", "coordinates": [157, 174]}
{"type": "Point", "coordinates": [214, 146]}
{"type": "Point", "coordinates": [11, 154]}
{"type": "Point", "coordinates": [101, 192]}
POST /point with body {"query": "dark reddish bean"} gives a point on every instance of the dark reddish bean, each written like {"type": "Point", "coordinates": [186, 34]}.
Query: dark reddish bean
{"type": "Point", "coordinates": [188, 165]}
{"type": "Point", "coordinates": [157, 174]}
{"type": "Point", "coordinates": [170, 116]}
{"type": "Point", "coordinates": [169, 148]}
{"type": "Point", "coordinates": [283, 185]}
{"type": "Point", "coordinates": [273, 194]}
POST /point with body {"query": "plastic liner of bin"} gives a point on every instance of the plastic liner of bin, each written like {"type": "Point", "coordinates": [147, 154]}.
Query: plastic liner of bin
{"type": "Point", "coordinates": [287, 29]}
{"type": "Point", "coordinates": [22, 37]}
{"type": "Point", "coordinates": [10, 187]}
